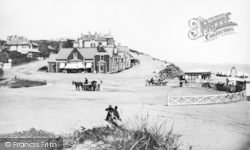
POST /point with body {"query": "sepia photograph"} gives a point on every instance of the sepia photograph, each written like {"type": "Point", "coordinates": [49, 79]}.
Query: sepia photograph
{"type": "Point", "coordinates": [124, 75]}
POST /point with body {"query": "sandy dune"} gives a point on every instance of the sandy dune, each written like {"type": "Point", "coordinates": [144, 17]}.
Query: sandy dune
{"type": "Point", "coordinates": [59, 108]}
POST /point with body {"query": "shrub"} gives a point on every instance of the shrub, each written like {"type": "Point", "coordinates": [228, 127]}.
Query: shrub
{"type": "Point", "coordinates": [1, 73]}
{"type": "Point", "coordinates": [142, 138]}
{"type": "Point", "coordinates": [44, 68]}
{"type": "Point", "coordinates": [26, 83]}
{"type": "Point", "coordinates": [4, 57]}
{"type": "Point", "coordinates": [31, 133]}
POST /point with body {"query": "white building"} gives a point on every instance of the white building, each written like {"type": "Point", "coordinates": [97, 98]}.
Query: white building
{"type": "Point", "coordinates": [23, 46]}
{"type": "Point", "coordinates": [94, 40]}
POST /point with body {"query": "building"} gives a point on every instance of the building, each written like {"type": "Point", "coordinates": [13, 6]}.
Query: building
{"type": "Point", "coordinates": [124, 53]}
{"type": "Point", "coordinates": [23, 46]}
{"type": "Point", "coordinates": [91, 53]}
{"type": "Point", "coordinates": [72, 59]}
{"type": "Point", "coordinates": [91, 59]}
{"type": "Point", "coordinates": [197, 74]}
{"type": "Point", "coordinates": [94, 40]}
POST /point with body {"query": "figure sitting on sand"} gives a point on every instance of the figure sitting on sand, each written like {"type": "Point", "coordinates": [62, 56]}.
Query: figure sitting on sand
{"type": "Point", "coordinates": [112, 113]}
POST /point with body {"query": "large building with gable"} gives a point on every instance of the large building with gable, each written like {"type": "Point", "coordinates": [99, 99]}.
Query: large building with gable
{"type": "Point", "coordinates": [91, 53]}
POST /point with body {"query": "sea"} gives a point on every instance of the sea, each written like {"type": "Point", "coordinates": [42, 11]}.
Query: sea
{"type": "Point", "coordinates": [214, 67]}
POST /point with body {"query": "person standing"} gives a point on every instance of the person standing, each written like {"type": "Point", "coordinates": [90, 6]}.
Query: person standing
{"type": "Point", "coordinates": [116, 114]}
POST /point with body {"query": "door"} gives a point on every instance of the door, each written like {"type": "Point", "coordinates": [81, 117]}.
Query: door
{"type": "Point", "coordinates": [102, 68]}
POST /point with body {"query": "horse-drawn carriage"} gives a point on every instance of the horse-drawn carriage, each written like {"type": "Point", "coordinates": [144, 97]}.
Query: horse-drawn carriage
{"type": "Point", "coordinates": [92, 86]}
{"type": "Point", "coordinates": [158, 82]}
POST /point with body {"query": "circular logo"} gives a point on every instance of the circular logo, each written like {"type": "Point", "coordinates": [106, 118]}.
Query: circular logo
{"type": "Point", "coordinates": [7, 144]}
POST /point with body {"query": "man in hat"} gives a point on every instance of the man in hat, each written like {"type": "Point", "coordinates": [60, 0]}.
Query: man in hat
{"type": "Point", "coordinates": [110, 111]}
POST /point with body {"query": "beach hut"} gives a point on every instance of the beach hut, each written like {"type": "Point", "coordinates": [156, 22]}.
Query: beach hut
{"type": "Point", "coordinates": [198, 74]}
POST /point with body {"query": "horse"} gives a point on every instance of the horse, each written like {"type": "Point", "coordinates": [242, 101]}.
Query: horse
{"type": "Point", "coordinates": [93, 84]}
{"type": "Point", "coordinates": [77, 85]}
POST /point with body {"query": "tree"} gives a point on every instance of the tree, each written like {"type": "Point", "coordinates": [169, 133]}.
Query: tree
{"type": "Point", "coordinates": [1, 73]}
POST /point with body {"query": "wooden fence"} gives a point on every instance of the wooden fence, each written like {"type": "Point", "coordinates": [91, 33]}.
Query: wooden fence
{"type": "Point", "coordinates": [206, 99]}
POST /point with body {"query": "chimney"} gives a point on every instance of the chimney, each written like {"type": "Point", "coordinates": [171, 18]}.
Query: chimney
{"type": "Point", "coordinates": [96, 35]}
{"type": "Point", "coordinates": [89, 33]}
{"type": "Point", "coordinates": [60, 45]}
{"type": "Point", "coordinates": [80, 43]}
{"type": "Point", "coordinates": [118, 44]}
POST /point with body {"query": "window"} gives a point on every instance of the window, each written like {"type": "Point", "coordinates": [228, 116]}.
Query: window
{"type": "Point", "coordinates": [74, 55]}
{"type": "Point", "coordinates": [92, 44]}
{"type": "Point", "coordinates": [102, 58]}
{"type": "Point", "coordinates": [24, 46]}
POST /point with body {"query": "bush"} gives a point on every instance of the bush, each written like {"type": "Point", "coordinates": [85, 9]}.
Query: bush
{"type": "Point", "coordinates": [44, 68]}
{"type": "Point", "coordinates": [143, 138]}
{"type": "Point", "coordinates": [4, 57]}
{"type": "Point", "coordinates": [26, 83]}
{"type": "Point", "coordinates": [1, 73]}
{"type": "Point", "coordinates": [31, 133]}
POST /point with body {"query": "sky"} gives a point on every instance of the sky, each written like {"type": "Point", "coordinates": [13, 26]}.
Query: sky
{"type": "Point", "coordinates": [156, 27]}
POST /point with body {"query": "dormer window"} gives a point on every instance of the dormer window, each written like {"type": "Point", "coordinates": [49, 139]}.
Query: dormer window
{"type": "Point", "coordinates": [74, 55]}
{"type": "Point", "coordinates": [102, 57]}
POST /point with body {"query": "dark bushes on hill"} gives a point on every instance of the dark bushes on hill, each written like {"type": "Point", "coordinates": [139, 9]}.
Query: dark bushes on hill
{"type": "Point", "coordinates": [44, 68]}
{"type": "Point", "coordinates": [18, 58]}
{"type": "Point", "coordinates": [171, 71]}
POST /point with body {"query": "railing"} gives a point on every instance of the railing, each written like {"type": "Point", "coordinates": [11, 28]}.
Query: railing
{"type": "Point", "coordinates": [206, 99]}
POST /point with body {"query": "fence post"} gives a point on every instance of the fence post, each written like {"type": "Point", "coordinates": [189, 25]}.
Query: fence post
{"type": "Point", "coordinates": [167, 100]}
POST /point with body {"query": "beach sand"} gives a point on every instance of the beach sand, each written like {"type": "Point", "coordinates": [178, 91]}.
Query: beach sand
{"type": "Point", "coordinates": [59, 108]}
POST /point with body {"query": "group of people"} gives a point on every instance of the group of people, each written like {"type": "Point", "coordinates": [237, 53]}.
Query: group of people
{"type": "Point", "coordinates": [112, 113]}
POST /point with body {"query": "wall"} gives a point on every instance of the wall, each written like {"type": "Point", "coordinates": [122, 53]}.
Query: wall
{"type": "Point", "coordinates": [22, 49]}
{"type": "Point", "coordinates": [50, 67]}
{"type": "Point", "coordinates": [248, 89]}
{"type": "Point", "coordinates": [88, 43]}
{"type": "Point", "coordinates": [106, 59]}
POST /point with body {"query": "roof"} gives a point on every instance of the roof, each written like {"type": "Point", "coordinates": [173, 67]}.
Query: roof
{"type": "Point", "coordinates": [33, 43]}
{"type": "Point", "coordinates": [50, 47]}
{"type": "Point", "coordinates": [109, 50]}
{"type": "Point", "coordinates": [21, 42]}
{"type": "Point", "coordinates": [198, 71]}
{"type": "Point", "coordinates": [52, 57]}
{"type": "Point", "coordinates": [64, 53]}
{"type": "Point", "coordinates": [123, 48]}
{"type": "Point", "coordinates": [101, 62]}
{"type": "Point", "coordinates": [88, 53]}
